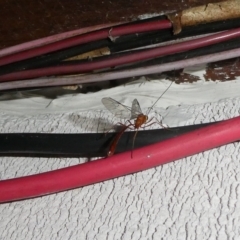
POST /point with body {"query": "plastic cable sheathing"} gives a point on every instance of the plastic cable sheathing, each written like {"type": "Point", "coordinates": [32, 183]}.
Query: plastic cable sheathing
{"type": "Point", "coordinates": [119, 74]}
{"type": "Point", "coordinates": [51, 39]}
{"type": "Point", "coordinates": [200, 140]}
{"type": "Point", "coordinates": [122, 43]}
{"type": "Point", "coordinates": [85, 38]}
{"type": "Point", "coordinates": [125, 59]}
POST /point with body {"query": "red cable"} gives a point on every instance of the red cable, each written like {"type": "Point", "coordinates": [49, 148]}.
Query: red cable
{"type": "Point", "coordinates": [128, 58]}
{"type": "Point", "coordinates": [121, 164]}
{"type": "Point", "coordinates": [53, 38]}
{"type": "Point", "coordinates": [120, 74]}
{"type": "Point", "coordinates": [89, 37]}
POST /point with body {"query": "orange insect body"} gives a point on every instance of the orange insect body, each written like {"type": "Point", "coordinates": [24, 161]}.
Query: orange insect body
{"type": "Point", "coordinates": [115, 141]}
{"type": "Point", "coordinates": [141, 119]}
{"type": "Point", "coordinates": [124, 112]}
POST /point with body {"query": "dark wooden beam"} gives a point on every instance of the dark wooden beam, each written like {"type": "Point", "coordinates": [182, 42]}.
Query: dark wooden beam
{"type": "Point", "coordinates": [25, 20]}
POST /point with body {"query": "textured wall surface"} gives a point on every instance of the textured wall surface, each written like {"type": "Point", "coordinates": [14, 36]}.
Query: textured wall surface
{"type": "Point", "coordinates": [194, 198]}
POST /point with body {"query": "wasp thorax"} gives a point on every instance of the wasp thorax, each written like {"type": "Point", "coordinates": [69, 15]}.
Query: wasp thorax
{"type": "Point", "coordinates": [141, 119]}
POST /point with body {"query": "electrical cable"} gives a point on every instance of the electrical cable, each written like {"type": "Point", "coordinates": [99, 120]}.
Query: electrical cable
{"type": "Point", "coordinates": [122, 43]}
{"type": "Point", "coordinates": [49, 59]}
{"type": "Point", "coordinates": [51, 39]}
{"type": "Point", "coordinates": [213, 135]}
{"type": "Point", "coordinates": [26, 64]}
{"type": "Point", "coordinates": [98, 77]}
{"type": "Point", "coordinates": [120, 74]}
{"type": "Point", "coordinates": [125, 59]}
{"type": "Point", "coordinates": [81, 145]}
{"type": "Point", "coordinates": [216, 48]}
{"type": "Point", "coordinates": [167, 35]}
{"type": "Point", "coordinates": [230, 44]}
{"type": "Point", "coordinates": [88, 37]}
{"type": "Point", "coordinates": [57, 56]}
{"type": "Point", "coordinates": [122, 164]}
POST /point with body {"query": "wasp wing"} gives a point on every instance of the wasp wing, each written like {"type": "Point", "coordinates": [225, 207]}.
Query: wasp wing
{"type": "Point", "coordinates": [116, 108]}
{"type": "Point", "coordinates": [136, 109]}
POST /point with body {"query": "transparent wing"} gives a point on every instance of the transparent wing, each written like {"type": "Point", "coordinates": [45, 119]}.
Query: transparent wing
{"type": "Point", "coordinates": [116, 108]}
{"type": "Point", "coordinates": [136, 109]}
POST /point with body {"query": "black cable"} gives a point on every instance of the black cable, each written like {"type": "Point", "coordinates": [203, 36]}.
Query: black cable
{"type": "Point", "coordinates": [216, 48]}
{"type": "Point", "coordinates": [121, 44]}
{"type": "Point", "coordinates": [81, 145]}
{"type": "Point", "coordinates": [219, 47]}
{"type": "Point", "coordinates": [55, 57]}
{"type": "Point", "coordinates": [167, 35]}
{"type": "Point", "coordinates": [49, 59]}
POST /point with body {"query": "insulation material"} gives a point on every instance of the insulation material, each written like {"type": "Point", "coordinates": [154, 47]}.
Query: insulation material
{"type": "Point", "coordinates": [89, 55]}
{"type": "Point", "coordinates": [211, 12]}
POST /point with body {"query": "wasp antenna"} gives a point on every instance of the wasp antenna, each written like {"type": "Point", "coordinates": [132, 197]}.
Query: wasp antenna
{"type": "Point", "coordinates": [160, 97]}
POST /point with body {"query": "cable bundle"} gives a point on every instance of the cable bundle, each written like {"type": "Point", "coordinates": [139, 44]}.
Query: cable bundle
{"type": "Point", "coordinates": [130, 49]}
{"type": "Point", "coordinates": [127, 47]}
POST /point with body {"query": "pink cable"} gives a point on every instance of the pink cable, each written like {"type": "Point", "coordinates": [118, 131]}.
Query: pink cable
{"type": "Point", "coordinates": [129, 58]}
{"type": "Point", "coordinates": [51, 39]}
{"type": "Point", "coordinates": [122, 164]}
{"type": "Point", "coordinates": [89, 37]}
{"type": "Point", "coordinates": [98, 77]}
